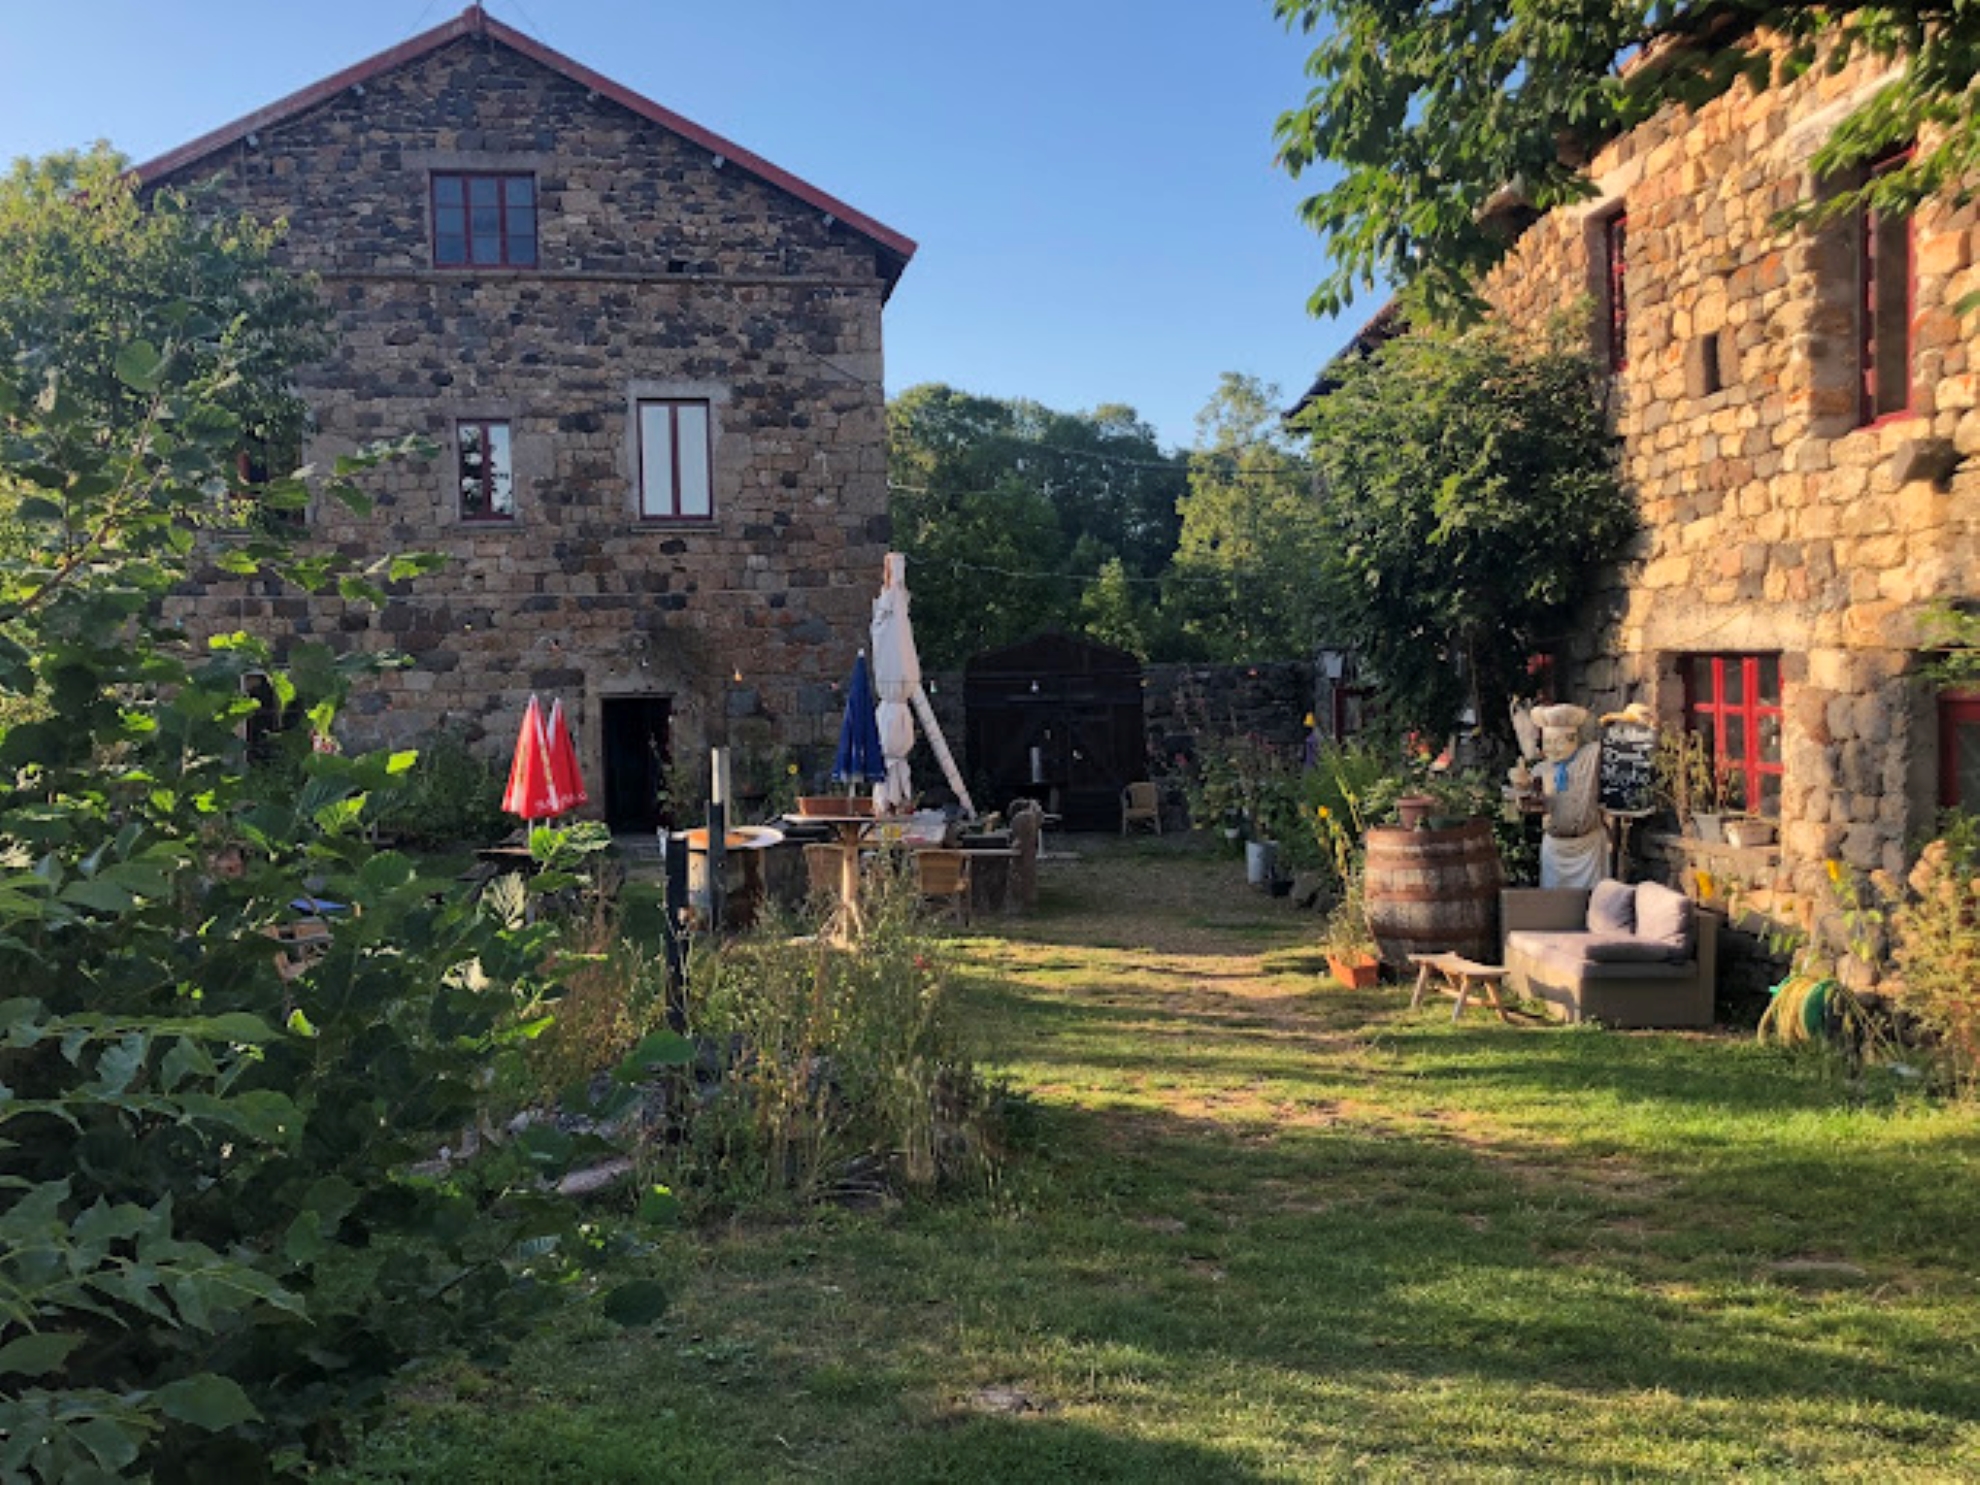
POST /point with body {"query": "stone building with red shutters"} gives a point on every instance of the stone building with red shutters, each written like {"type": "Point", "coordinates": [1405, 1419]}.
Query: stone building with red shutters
{"type": "Point", "coordinates": [652, 363]}
{"type": "Point", "coordinates": [1800, 418]}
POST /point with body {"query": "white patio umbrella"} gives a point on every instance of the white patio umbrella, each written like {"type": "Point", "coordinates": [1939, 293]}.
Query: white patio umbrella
{"type": "Point", "coordinates": [897, 682]}
{"type": "Point", "coordinates": [896, 677]}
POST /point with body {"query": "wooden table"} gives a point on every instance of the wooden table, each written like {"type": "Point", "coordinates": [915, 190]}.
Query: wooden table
{"type": "Point", "coordinates": [1458, 976]}
{"type": "Point", "coordinates": [746, 845]}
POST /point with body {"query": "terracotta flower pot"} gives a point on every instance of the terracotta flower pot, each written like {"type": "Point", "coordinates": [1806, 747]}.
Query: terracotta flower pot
{"type": "Point", "coordinates": [835, 804]}
{"type": "Point", "coordinates": [1358, 973]}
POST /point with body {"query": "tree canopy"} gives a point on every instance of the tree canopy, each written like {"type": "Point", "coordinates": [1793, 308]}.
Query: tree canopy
{"type": "Point", "coordinates": [1245, 581]}
{"type": "Point", "coordinates": [1419, 114]}
{"type": "Point", "coordinates": [1471, 492]}
{"type": "Point", "coordinates": [87, 266]}
{"type": "Point", "coordinates": [1017, 518]}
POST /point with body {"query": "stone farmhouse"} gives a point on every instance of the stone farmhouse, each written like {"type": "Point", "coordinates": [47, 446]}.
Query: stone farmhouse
{"type": "Point", "coordinates": [652, 363]}
{"type": "Point", "coordinates": [1800, 416]}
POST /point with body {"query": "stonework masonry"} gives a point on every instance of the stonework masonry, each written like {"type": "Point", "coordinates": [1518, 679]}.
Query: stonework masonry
{"type": "Point", "coordinates": [1774, 524]}
{"type": "Point", "coordinates": [663, 271]}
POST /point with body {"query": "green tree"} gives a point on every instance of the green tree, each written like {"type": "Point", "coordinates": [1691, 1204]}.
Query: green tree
{"type": "Point", "coordinates": [1245, 581]}
{"type": "Point", "coordinates": [1010, 512]}
{"type": "Point", "coordinates": [87, 266]}
{"type": "Point", "coordinates": [1419, 114]}
{"type": "Point", "coordinates": [1471, 495]}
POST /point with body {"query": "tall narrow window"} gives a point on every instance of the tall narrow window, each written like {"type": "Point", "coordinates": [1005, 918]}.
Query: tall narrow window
{"type": "Point", "coordinates": [675, 475]}
{"type": "Point", "coordinates": [1615, 263]}
{"type": "Point", "coordinates": [1884, 280]}
{"type": "Point", "coordinates": [484, 221]}
{"type": "Point", "coordinates": [487, 475]}
{"type": "Point", "coordinates": [1959, 751]}
{"type": "Point", "coordinates": [1734, 703]}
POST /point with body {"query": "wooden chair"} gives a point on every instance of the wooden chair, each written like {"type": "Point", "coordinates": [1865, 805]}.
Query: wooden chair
{"type": "Point", "coordinates": [822, 865]}
{"type": "Point", "coordinates": [942, 876]}
{"type": "Point", "coordinates": [1141, 804]}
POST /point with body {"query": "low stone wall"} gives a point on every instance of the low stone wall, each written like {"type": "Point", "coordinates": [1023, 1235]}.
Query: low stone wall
{"type": "Point", "coordinates": [1269, 701]}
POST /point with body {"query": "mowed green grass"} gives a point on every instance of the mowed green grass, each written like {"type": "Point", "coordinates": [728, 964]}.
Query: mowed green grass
{"type": "Point", "coordinates": [1263, 1229]}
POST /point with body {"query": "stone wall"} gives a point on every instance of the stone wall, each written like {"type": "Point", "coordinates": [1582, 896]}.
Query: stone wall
{"type": "Point", "coordinates": [664, 271]}
{"type": "Point", "coordinates": [1269, 701]}
{"type": "Point", "coordinates": [1774, 524]}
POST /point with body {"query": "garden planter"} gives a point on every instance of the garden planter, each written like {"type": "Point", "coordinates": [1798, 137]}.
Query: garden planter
{"type": "Point", "coordinates": [1709, 828]}
{"type": "Point", "coordinates": [1750, 832]}
{"type": "Point", "coordinates": [825, 805]}
{"type": "Point", "coordinates": [1434, 892]}
{"type": "Point", "coordinates": [1261, 861]}
{"type": "Point", "coordinates": [1358, 973]}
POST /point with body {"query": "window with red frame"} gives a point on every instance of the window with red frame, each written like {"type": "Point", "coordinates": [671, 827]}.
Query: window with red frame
{"type": "Point", "coordinates": [1959, 751]}
{"type": "Point", "coordinates": [1615, 264]}
{"type": "Point", "coordinates": [487, 470]}
{"type": "Point", "coordinates": [675, 464]}
{"type": "Point", "coordinates": [484, 221]}
{"type": "Point", "coordinates": [1884, 305]}
{"type": "Point", "coordinates": [1734, 703]}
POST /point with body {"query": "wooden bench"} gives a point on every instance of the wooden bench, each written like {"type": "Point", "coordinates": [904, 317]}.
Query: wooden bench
{"type": "Point", "coordinates": [1458, 976]}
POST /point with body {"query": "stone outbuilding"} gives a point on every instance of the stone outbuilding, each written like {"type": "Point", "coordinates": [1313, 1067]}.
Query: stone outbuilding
{"type": "Point", "coordinates": [652, 363]}
{"type": "Point", "coordinates": [1800, 417]}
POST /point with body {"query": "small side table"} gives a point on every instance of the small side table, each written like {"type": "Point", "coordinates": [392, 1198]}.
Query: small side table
{"type": "Point", "coordinates": [1458, 976]}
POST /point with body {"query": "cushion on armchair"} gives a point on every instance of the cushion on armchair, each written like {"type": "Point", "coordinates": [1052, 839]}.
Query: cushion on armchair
{"type": "Point", "coordinates": [1628, 949]}
{"type": "Point", "coordinates": [1664, 917]}
{"type": "Point", "coordinates": [1612, 909]}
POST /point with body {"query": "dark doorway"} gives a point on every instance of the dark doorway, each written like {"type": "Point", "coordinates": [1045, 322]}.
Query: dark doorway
{"type": "Point", "coordinates": [1057, 719]}
{"type": "Point", "coordinates": [637, 750]}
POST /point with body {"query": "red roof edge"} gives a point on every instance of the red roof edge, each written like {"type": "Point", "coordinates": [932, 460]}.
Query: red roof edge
{"type": "Point", "coordinates": [476, 22]}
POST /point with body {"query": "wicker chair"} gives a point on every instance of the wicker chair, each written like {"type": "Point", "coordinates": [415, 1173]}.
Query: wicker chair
{"type": "Point", "coordinates": [822, 865]}
{"type": "Point", "coordinates": [942, 876]}
{"type": "Point", "coordinates": [1141, 804]}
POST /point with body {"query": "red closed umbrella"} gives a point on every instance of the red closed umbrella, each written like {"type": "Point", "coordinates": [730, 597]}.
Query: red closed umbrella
{"type": "Point", "coordinates": [565, 777]}
{"type": "Point", "coordinates": [532, 791]}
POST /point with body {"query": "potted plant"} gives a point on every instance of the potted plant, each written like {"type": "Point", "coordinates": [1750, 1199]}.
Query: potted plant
{"type": "Point", "coordinates": [1698, 788]}
{"type": "Point", "coordinates": [1346, 941]}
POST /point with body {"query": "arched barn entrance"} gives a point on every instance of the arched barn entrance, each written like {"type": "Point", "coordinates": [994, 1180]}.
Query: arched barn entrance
{"type": "Point", "coordinates": [1057, 719]}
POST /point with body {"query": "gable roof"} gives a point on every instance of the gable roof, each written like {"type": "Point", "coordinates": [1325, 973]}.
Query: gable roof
{"type": "Point", "coordinates": [474, 21]}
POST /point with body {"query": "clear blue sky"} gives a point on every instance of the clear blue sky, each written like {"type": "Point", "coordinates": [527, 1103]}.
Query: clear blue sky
{"type": "Point", "coordinates": [1091, 181]}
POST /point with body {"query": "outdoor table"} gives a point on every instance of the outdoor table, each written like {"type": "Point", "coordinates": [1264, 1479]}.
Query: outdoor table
{"type": "Point", "coordinates": [1458, 976]}
{"type": "Point", "coordinates": [746, 843]}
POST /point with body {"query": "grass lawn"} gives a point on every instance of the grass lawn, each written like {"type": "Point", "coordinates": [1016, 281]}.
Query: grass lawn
{"type": "Point", "coordinates": [1265, 1229]}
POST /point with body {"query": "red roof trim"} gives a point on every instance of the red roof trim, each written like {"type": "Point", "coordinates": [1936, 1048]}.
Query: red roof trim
{"type": "Point", "coordinates": [475, 22]}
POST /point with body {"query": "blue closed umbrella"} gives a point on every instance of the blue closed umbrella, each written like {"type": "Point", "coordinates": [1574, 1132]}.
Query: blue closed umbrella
{"type": "Point", "coordinates": [860, 758]}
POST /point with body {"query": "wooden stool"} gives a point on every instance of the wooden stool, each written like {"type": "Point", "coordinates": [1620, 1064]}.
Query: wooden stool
{"type": "Point", "coordinates": [1458, 976]}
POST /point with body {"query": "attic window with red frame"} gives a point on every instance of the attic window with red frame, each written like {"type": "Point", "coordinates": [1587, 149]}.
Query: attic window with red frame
{"type": "Point", "coordinates": [1884, 304]}
{"type": "Point", "coordinates": [484, 221]}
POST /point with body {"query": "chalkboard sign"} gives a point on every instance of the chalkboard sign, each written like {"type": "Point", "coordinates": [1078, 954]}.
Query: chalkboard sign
{"type": "Point", "coordinates": [1629, 768]}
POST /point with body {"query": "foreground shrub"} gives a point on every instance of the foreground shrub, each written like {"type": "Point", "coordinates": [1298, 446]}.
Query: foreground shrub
{"type": "Point", "coordinates": [223, 1232]}
{"type": "Point", "coordinates": [832, 1071]}
{"type": "Point", "coordinates": [452, 796]}
{"type": "Point", "coordinates": [1935, 927]}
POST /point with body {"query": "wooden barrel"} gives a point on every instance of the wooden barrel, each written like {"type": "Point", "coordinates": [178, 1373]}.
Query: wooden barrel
{"type": "Point", "coordinates": [1434, 892]}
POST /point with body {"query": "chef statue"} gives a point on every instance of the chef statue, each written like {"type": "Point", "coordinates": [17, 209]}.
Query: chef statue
{"type": "Point", "coordinates": [1565, 760]}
